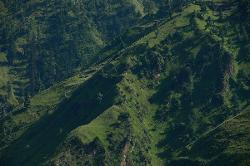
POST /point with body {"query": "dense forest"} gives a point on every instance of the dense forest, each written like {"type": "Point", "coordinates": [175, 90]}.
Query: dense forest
{"type": "Point", "coordinates": [129, 82]}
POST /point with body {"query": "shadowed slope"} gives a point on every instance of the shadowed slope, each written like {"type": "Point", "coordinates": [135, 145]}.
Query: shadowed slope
{"type": "Point", "coordinates": [39, 142]}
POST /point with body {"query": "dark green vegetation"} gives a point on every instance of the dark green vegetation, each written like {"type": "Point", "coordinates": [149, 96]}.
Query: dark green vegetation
{"type": "Point", "coordinates": [142, 83]}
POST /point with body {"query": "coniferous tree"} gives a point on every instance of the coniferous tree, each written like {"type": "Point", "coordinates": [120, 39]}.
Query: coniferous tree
{"type": "Point", "coordinates": [220, 14]}
{"type": "Point", "coordinates": [243, 8]}
{"type": "Point", "coordinates": [11, 52]}
{"type": "Point", "coordinates": [169, 8]}
{"type": "Point", "coordinates": [26, 104]}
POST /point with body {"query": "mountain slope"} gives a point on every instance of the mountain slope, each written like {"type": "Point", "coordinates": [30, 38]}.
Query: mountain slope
{"type": "Point", "coordinates": [44, 42]}
{"type": "Point", "coordinates": [227, 143]}
{"type": "Point", "coordinates": [170, 96]}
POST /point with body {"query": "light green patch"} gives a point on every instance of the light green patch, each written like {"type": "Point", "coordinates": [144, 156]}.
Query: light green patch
{"type": "Point", "coordinates": [138, 6]}
{"type": "Point", "coordinates": [98, 127]}
{"type": "Point", "coordinates": [3, 57]}
{"type": "Point", "coordinates": [154, 38]}
{"type": "Point", "coordinates": [4, 77]}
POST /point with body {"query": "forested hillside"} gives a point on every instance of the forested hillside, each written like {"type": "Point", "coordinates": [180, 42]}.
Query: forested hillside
{"type": "Point", "coordinates": [130, 82]}
{"type": "Point", "coordinates": [43, 42]}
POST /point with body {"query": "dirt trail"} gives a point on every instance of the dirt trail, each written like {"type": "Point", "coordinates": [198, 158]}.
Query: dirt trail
{"type": "Point", "coordinates": [125, 154]}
